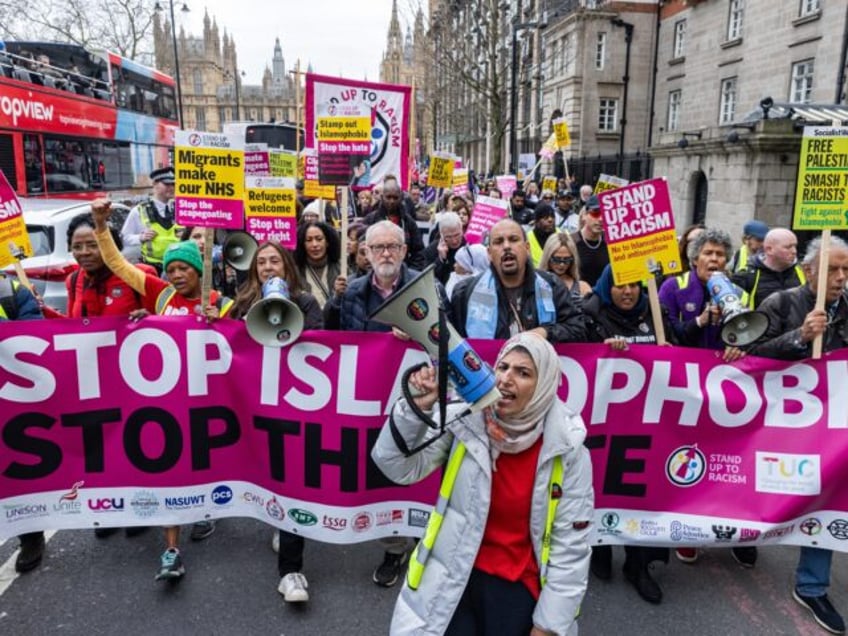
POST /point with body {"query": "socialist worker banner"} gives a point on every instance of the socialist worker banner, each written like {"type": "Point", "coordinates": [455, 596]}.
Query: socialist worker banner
{"type": "Point", "coordinates": [390, 105]}
{"type": "Point", "coordinates": [170, 420]}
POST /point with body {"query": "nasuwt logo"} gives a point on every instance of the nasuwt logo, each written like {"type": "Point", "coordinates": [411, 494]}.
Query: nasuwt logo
{"type": "Point", "coordinates": [685, 466]}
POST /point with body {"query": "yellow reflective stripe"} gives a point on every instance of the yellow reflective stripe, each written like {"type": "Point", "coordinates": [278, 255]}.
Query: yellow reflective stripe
{"type": "Point", "coordinates": [225, 307]}
{"type": "Point", "coordinates": [556, 480]}
{"type": "Point", "coordinates": [422, 552]}
{"type": "Point", "coordinates": [799, 271]}
{"type": "Point", "coordinates": [741, 259]}
{"type": "Point", "coordinates": [164, 299]}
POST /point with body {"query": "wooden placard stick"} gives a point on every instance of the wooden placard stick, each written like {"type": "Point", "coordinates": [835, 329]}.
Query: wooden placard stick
{"type": "Point", "coordinates": [206, 279]}
{"type": "Point", "coordinates": [343, 214]}
{"type": "Point", "coordinates": [821, 287]}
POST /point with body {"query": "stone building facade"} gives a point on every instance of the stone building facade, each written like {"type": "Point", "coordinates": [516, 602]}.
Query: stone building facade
{"type": "Point", "coordinates": [212, 90]}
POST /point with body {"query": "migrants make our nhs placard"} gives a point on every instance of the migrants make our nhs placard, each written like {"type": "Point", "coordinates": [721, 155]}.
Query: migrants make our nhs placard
{"type": "Point", "coordinates": [209, 187]}
{"type": "Point", "coordinates": [639, 230]}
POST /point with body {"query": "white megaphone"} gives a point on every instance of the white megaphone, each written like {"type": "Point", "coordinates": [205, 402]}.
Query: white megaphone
{"type": "Point", "coordinates": [740, 326]}
{"type": "Point", "coordinates": [415, 310]}
{"type": "Point", "coordinates": [274, 321]}
{"type": "Point", "coordinates": [239, 249]}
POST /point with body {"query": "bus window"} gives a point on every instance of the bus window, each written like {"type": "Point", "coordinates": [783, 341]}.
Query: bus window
{"type": "Point", "coordinates": [32, 162]}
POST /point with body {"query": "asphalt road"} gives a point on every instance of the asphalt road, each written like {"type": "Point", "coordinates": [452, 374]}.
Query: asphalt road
{"type": "Point", "coordinates": [90, 587]}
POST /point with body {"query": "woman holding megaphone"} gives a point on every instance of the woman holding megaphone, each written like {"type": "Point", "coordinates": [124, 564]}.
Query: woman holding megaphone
{"type": "Point", "coordinates": [272, 260]}
{"type": "Point", "coordinates": [506, 549]}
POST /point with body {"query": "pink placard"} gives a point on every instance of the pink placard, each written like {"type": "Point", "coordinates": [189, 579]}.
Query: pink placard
{"type": "Point", "coordinates": [486, 212]}
{"type": "Point", "coordinates": [219, 213]}
{"type": "Point", "coordinates": [507, 184]}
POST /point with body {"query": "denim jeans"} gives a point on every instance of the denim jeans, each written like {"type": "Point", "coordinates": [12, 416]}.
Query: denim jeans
{"type": "Point", "coordinates": [812, 575]}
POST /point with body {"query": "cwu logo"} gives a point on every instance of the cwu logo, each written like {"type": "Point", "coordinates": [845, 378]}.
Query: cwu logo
{"type": "Point", "coordinates": [685, 466]}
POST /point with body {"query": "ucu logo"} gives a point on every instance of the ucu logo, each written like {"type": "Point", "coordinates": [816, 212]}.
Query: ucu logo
{"type": "Point", "coordinates": [106, 504]}
{"type": "Point", "coordinates": [781, 466]}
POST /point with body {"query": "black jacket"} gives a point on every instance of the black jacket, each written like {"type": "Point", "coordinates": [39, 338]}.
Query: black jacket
{"type": "Point", "coordinates": [766, 280]}
{"type": "Point", "coordinates": [602, 322]}
{"type": "Point", "coordinates": [569, 326]}
{"type": "Point", "coordinates": [786, 311]}
{"type": "Point", "coordinates": [443, 268]}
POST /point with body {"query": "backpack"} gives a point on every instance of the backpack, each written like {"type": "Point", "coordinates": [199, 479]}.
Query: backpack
{"type": "Point", "coordinates": [8, 299]}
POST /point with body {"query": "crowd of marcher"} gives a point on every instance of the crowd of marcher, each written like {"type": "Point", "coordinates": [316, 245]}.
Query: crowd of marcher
{"type": "Point", "coordinates": [509, 556]}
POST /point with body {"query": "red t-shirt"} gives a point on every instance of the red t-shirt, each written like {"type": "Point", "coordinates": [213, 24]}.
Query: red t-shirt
{"type": "Point", "coordinates": [507, 548]}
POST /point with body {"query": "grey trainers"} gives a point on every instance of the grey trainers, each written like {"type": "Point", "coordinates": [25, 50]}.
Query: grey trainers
{"type": "Point", "coordinates": [388, 571]}
{"type": "Point", "coordinates": [202, 530]}
{"type": "Point", "coordinates": [170, 565]}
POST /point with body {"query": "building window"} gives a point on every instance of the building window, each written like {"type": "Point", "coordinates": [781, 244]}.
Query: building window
{"type": "Point", "coordinates": [809, 7]}
{"type": "Point", "coordinates": [567, 52]}
{"type": "Point", "coordinates": [727, 108]}
{"type": "Point", "coordinates": [200, 115]}
{"type": "Point", "coordinates": [608, 115]}
{"type": "Point", "coordinates": [679, 39]}
{"type": "Point", "coordinates": [802, 82]}
{"type": "Point", "coordinates": [197, 81]}
{"type": "Point", "coordinates": [734, 19]}
{"type": "Point", "coordinates": [674, 104]}
{"type": "Point", "coordinates": [554, 60]}
{"type": "Point", "coordinates": [600, 51]}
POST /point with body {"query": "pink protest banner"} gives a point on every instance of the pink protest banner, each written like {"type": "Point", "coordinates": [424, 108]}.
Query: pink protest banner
{"type": "Point", "coordinates": [270, 209]}
{"type": "Point", "coordinates": [639, 230]}
{"type": "Point", "coordinates": [257, 161]}
{"type": "Point", "coordinates": [13, 232]}
{"type": "Point", "coordinates": [486, 212]}
{"type": "Point", "coordinates": [209, 184]}
{"type": "Point", "coordinates": [169, 420]}
{"type": "Point", "coordinates": [507, 184]}
{"type": "Point", "coordinates": [390, 104]}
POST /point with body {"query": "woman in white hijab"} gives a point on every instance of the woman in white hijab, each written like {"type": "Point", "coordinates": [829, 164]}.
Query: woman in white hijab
{"type": "Point", "coordinates": [506, 550]}
{"type": "Point", "coordinates": [470, 260]}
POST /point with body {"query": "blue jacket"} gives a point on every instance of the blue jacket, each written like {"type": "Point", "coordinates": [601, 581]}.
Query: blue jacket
{"type": "Point", "coordinates": [25, 303]}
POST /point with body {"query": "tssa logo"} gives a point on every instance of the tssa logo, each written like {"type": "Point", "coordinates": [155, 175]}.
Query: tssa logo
{"type": "Point", "coordinates": [334, 523]}
{"type": "Point", "coordinates": [222, 495]}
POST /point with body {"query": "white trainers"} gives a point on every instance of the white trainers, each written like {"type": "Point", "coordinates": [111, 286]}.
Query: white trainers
{"type": "Point", "coordinates": [275, 541]}
{"type": "Point", "coordinates": [293, 588]}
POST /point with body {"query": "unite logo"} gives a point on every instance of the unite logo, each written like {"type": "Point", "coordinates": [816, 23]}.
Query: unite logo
{"type": "Point", "coordinates": [15, 107]}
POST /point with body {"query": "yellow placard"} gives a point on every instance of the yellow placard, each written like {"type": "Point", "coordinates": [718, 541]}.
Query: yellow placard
{"type": "Point", "coordinates": [563, 140]}
{"type": "Point", "coordinates": [344, 129]}
{"type": "Point", "coordinates": [314, 190]}
{"type": "Point", "coordinates": [204, 173]}
{"type": "Point", "coordinates": [440, 174]}
{"type": "Point", "coordinates": [13, 234]}
{"type": "Point", "coordinates": [821, 195]}
{"type": "Point", "coordinates": [282, 163]}
{"type": "Point", "coordinates": [269, 198]}
{"type": "Point", "coordinates": [549, 183]}
{"type": "Point", "coordinates": [608, 182]}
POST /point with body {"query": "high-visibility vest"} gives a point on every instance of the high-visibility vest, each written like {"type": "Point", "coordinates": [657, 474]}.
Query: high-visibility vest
{"type": "Point", "coordinates": [683, 283]}
{"type": "Point", "coordinates": [799, 272]}
{"type": "Point", "coordinates": [535, 248]}
{"type": "Point", "coordinates": [742, 257]}
{"type": "Point", "coordinates": [421, 554]}
{"type": "Point", "coordinates": [163, 300]}
{"type": "Point", "coordinates": [8, 304]}
{"type": "Point", "coordinates": [153, 251]}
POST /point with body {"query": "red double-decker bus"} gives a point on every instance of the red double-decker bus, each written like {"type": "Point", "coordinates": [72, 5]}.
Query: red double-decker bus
{"type": "Point", "coordinates": [75, 123]}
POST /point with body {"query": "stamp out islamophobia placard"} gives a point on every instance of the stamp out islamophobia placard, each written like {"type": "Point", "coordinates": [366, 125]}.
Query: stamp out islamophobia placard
{"type": "Point", "coordinates": [440, 174]}
{"type": "Point", "coordinates": [639, 230]}
{"type": "Point", "coordinates": [390, 105]}
{"type": "Point", "coordinates": [270, 209]}
{"type": "Point", "coordinates": [821, 196]}
{"type": "Point", "coordinates": [13, 232]}
{"type": "Point", "coordinates": [344, 144]}
{"type": "Point", "coordinates": [209, 180]}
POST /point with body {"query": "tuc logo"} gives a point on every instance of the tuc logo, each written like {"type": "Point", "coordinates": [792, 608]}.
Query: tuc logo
{"type": "Point", "coordinates": [222, 495]}
{"type": "Point", "coordinates": [788, 473]}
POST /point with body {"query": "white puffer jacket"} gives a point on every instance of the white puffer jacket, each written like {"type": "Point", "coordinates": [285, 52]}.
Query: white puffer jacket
{"type": "Point", "coordinates": [429, 609]}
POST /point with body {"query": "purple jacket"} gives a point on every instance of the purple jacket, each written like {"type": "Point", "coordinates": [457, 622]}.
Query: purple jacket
{"type": "Point", "coordinates": [684, 298]}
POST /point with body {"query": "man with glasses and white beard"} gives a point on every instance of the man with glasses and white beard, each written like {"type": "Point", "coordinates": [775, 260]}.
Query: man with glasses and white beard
{"type": "Point", "coordinates": [349, 311]}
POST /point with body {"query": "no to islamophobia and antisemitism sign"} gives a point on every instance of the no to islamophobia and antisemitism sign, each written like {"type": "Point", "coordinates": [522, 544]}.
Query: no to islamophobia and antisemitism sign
{"type": "Point", "coordinates": [821, 195]}
{"type": "Point", "coordinates": [168, 421]}
{"type": "Point", "coordinates": [209, 180]}
{"type": "Point", "coordinates": [639, 230]}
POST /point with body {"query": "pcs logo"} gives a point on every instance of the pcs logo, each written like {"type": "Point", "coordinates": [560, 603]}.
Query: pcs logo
{"type": "Point", "coordinates": [222, 495]}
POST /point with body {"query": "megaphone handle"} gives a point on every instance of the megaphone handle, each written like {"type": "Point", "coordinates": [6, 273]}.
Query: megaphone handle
{"type": "Point", "coordinates": [410, 398]}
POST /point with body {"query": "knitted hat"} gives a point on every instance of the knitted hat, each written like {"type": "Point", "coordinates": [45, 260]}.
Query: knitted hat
{"type": "Point", "coordinates": [756, 229]}
{"type": "Point", "coordinates": [185, 251]}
